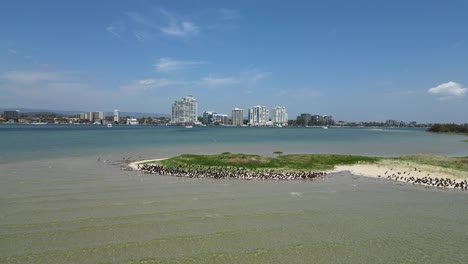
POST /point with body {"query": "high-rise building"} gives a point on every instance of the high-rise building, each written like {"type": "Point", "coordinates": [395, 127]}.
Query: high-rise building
{"type": "Point", "coordinates": [96, 116]}
{"type": "Point", "coordinates": [184, 112]}
{"type": "Point", "coordinates": [328, 120]}
{"type": "Point", "coordinates": [258, 115]}
{"type": "Point", "coordinates": [220, 119]}
{"type": "Point", "coordinates": [237, 117]}
{"type": "Point", "coordinates": [208, 117]}
{"type": "Point", "coordinates": [304, 119]}
{"type": "Point", "coordinates": [116, 116]}
{"type": "Point", "coordinates": [14, 115]}
{"type": "Point", "coordinates": [279, 116]}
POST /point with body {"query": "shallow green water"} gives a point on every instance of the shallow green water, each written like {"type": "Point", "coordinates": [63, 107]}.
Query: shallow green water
{"type": "Point", "coordinates": [73, 209]}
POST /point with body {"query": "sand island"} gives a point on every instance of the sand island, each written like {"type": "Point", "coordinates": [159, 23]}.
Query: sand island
{"type": "Point", "coordinates": [427, 170]}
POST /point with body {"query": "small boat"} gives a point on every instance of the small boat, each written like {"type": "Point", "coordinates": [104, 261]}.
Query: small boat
{"type": "Point", "coordinates": [325, 127]}
{"type": "Point", "coordinates": [188, 126]}
{"type": "Point", "coordinates": [109, 125]}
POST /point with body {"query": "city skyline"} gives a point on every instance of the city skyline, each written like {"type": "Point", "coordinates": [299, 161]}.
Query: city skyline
{"type": "Point", "coordinates": [366, 61]}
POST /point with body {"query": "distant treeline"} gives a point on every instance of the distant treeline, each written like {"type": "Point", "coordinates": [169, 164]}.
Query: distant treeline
{"type": "Point", "coordinates": [449, 128]}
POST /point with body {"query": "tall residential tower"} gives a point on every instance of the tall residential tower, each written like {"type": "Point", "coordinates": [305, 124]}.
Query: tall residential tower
{"type": "Point", "coordinates": [237, 117]}
{"type": "Point", "coordinates": [184, 112]}
{"type": "Point", "coordinates": [279, 116]}
{"type": "Point", "coordinates": [258, 115]}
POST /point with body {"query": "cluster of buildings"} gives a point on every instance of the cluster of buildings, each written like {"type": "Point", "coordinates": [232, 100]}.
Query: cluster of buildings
{"type": "Point", "coordinates": [306, 119]}
{"type": "Point", "coordinates": [184, 112]}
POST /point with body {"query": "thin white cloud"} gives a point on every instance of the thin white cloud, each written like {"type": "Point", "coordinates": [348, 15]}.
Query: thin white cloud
{"type": "Point", "coordinates": [146, 85]}
{"type": "Point", "coordinates": [114, 31]}
{"type": "Point", "coordinates": [299, 94]}
{"type": "Point", "coordinates": [229, 14]}
{"type": "Point", "coordinates": [257, 77]}
{"type": "Point", "coordinates": [12, 51]}
{"type": "Point", "coordinates": [176, 26]}
{"type": "Point", "coordinates": [448, 90]}
{"type": "Point", "coordinates": [167, 64]}
{"type": "Point", "coordinates": [212, 81]}
{"type": "Point", "coordinates": [47, 88]}
{"type": "Point", "coordinates": [180, 29]}
{"type": "Point", "coordinates": [30, 76]}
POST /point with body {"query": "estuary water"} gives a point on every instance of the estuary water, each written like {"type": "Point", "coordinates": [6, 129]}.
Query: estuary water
{"type": "Point", "coordinates": [64, 199]}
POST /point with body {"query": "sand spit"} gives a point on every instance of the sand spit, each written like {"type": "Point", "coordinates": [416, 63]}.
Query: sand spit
{"type": "Point", "coordinates": [409, 173]}
{"type": "Point", "coordinates": [403, 172]}
{"type": "Point", "coordinates": [134, 165]}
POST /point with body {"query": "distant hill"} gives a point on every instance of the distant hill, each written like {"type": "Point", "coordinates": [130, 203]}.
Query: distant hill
{"type": "Point", "coordinates": [71, 113]}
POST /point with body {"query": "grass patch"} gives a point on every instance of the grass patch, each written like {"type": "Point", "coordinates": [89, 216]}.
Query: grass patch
{"type": "Point", "coordinates": [292, 162]}
{"type": "Point", "coordinates": [455, 163]}
{"type": "Point", "coordinates": [466, 140]}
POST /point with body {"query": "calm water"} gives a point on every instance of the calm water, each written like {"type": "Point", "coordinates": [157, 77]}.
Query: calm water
{"type": "Point", "coordinates": [59, 205]}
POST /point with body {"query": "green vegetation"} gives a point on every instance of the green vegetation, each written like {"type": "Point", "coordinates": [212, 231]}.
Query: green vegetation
{"type": "Point", "coordinates": [466, 140]}
{"type": "Point", "coordinates": [449, 128]}
{"type": "Point", "coordinates": [291, 162]}
{"type": "Point", "coordinates": [455, 163]}
{"type": "Point", "coordinates": [314, 162]}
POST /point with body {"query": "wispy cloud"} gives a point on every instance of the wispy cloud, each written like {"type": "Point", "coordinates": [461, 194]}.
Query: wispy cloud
{"type": "Point", "coordinates": [51, 88]}
{"type": "Point", "coordinates": [114, 31]}
{"type": "Point", "coordinates": [300, 94]}
{"type": "Point", "coordinates": [167, 64]}
{"type": "Point", "coordinates": [149, 25]}
{"type": "Point", "coordinates": [229, 14]}
{"type": "Point", "coordinates": [147, 85]}
{"type": "Point", "coordinates": [213, 81]}
{"type": "Point", "coordinates": [176, 26]}
{"type": "Point", "coordinates": [448, 90]}
{"type": "Point", "coordinates": [12, 51]}
{"type": "Point", "coordinates": [30, 76]}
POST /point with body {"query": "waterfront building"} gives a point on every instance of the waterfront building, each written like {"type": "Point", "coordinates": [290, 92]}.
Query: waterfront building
{"type": "Point", "coordinates": [279, 116]}
{"type": "Point", "coordinates": [304, 119]}
{"type": "Point", "coordinates": [208, 117]}
{"type": "Point", "coordinates": [237, 117]}
{"type": "Point", "coordinates": [258, 115]}
{"type": "Point", "coordinates": [116, 116]}
{"type": "Point", "coordinates": [11, 115]}
{"type": "Point", "coordinates": [317, 120]}
{"type": "Point", "coordinates": [328, 120]}
{"type": "Point", "coordinates": [96, 116]}
{"type": "Point", "coordinates": [391, 123]}
{"type": "Point", "coordinates": [132, 121]}
{"type": "Point", "coordinates": [184, 112]}
{"type": "Point", "coordinates": [220, 119]}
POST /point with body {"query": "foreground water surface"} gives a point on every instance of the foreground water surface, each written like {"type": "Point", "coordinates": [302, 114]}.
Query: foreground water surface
{"type": "Point", "coordinates": [59, 204]}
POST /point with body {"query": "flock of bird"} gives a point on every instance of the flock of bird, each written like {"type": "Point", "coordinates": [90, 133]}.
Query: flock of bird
{"type": "Point", "coordinates": [427, 180]}
{"type": "Point", "coordinates": [281, 174]}
{"type": "Point", "coordinates": [230, 173]}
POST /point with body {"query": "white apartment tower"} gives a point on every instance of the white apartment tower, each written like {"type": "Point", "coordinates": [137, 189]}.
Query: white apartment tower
{"type": "Point", "coordinates": [184, 112]}
{"type": "Point", "coordinates": [237, 117]}
{"type": "Point", "coordinates": [96, 116]}
{"type": "Point", "coordinates": [116, 116]}
{"type": "Point", "coordinates": [279, 116]}
{"type": "Point", "coordinates": [258, 115]}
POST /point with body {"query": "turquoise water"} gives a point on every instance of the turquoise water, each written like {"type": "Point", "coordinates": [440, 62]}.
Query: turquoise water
{"type": "Point", "coordinates": [58, 204]}
{"type": "Point", "coordinates": [36, 142]}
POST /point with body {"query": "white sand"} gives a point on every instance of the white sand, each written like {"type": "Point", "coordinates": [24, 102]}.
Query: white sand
{"type": "Point", "coordinates": [400, 169]}
{"type": "Point", "coordinates": [382, 169]}
{"type": "Point", "coordinates": [134, 165]}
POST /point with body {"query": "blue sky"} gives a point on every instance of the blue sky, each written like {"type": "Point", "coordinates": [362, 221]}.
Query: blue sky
{"type": "Point", "coordinates": [356, 60]}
